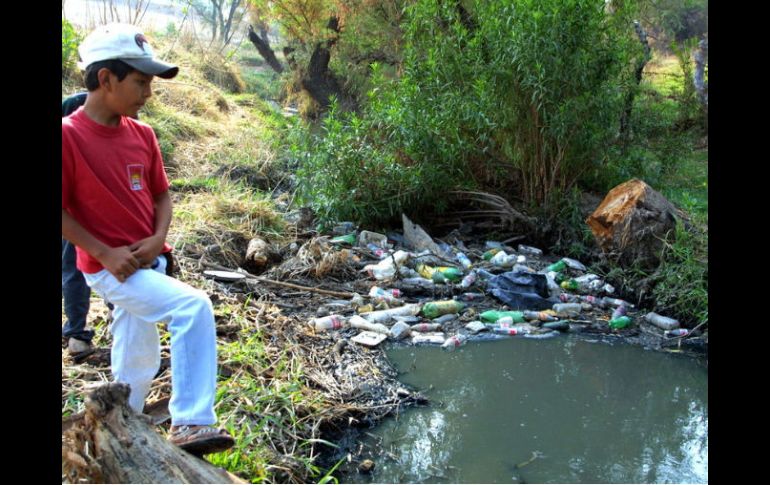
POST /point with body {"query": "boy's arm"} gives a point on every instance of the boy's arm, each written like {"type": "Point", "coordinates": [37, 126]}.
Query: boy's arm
{"type": "Point", "coordinates": [147, 249]}
{"type": "Point", "coordinates": [118, 261]}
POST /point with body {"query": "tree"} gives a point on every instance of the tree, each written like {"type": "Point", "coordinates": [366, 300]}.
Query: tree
{"type": "Point", "coordinates": [223, 16]}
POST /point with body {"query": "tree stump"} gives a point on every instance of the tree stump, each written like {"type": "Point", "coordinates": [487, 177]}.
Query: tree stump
{"type": "Point", "coordinates": [633, 222]}
{"type": "Point", "coordinates": [114, 444]}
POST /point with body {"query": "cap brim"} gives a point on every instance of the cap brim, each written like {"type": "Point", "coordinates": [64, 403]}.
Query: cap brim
{"type": "Point", "coordinates": [153, 67]}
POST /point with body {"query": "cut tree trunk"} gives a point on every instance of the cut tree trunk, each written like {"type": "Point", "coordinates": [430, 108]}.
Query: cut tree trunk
{"type": "Point", "coordinates": [114, 444]}
{"type": "Point", "coordinates": [263, 47]}
{"type": "Point", "coordinates": [633, 222]}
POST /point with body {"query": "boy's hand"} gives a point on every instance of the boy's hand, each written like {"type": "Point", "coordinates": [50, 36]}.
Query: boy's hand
{"type": "Point", "coordinates": [147, 249]}
{"type": "Point", "coordinates": [120, 262]}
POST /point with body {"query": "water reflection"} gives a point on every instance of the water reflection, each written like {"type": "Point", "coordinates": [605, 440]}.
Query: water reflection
{"type": "Point", "coordinates": [597, 413]}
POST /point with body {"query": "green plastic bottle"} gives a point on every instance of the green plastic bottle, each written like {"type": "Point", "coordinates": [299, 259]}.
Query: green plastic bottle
{"type": "Point", "coordinates": [557, 266]}
{"type": "Point", "coordinates": [488, 255]}
{"type": "Point", "coordinates": [620, 322]}
{"type": "Point", "coordinates": [437, 308]}
{"type": "Point", "coordinates": [492, 316]}
{"type": "Point", "coordinates": [570, 285]}
{"type": "Point", "coordinates": [346, 239]}
{"type": "Point", "coordinates": [449, 273]}
{"type": "Point", "coordinates": [439, 274]}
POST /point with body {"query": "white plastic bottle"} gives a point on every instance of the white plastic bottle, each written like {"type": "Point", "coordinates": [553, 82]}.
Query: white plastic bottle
{"type": "Point", "coordinates": [329, 322]}
{"type": "Point", "coordinates": [567, 310]}
{"type": "Point", "coordinates": [357, 322]}
{"type": "Point", "coordinates": [454, 341]}
{"type": "Point", "coordinates": [660, 321]}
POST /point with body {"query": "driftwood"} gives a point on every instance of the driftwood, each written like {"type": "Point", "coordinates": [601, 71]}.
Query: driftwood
{"type": "Point", "coordinates": [114, 444]}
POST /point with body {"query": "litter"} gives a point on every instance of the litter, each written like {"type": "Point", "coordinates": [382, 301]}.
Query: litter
{"type": "Point", "coordinates": [224, 275]}
{"type": "Point", "coordinates": [369, 339]}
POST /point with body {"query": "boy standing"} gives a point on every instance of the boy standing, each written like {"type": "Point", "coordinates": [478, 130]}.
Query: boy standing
{"type": "Point", "coordinates": [116, 209]}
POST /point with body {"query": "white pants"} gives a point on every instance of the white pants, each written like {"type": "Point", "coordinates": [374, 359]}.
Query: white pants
{"type": "Point", "coordinates": [149, 296]}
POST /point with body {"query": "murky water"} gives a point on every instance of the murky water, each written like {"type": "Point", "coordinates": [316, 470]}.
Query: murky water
{"type": "Point", "coordinates": [589, 413]}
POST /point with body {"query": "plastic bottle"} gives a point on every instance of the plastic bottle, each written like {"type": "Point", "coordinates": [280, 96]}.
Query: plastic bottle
{"type": "Point", "coordinates": [378, 251]}
{"type": "Point", "coordinates": [454, 341]}
{"type": "Point", "coordinates": [620, 322]}
{"type": "Point", "coordinates": [593, 300]}
{"type": "Point", "coordinates": [464, 261]}
{"type": "Point", "coordinates": [490, 254]}
{"type": "Point", "coordinates": [557, 266]}
{"type": "Point", "coordinates": [560, 325]}
{"type": "Point", "coordinates": [468, 280]}
{"type": "Point", "coordinates": [426, 327]}
{"type": "Point", "coordinates": [506, 321]}
{"type": "Point", "coordinates": [530, 250]}
{"type": "Point", "coordinates": [386, 268]}
{"type": "Point", "coordinates": [676, 332]}
{"type": "Point", "coordinates": [570, 285]}
{"type": "Point", "coordinates": [660, 321]}
{"type": "Point", "coordinates": [574, 264]}
{"type": "Point", "coordinates": [439, 274]}
{"type": "Point", "coordinates": [503, 259]}
{"type": "Point", "coordinates": [541, 336]}
{"type": "Point", "coordinates": [493, 316]}
{"type": "Point", "coordinates": [569, 298]}
{"type": "Point", "coordinates": [419, 281]}
{"type": "Point", "coordinates": [493, 245]}
{"type": "Point", "coordinates": [408, 272]}
{"type": "Point", "coordinates": [343, 228]}
{"type": "Point", "coordinates": [616, 302]}
{"type": "Point", "coordinates": [387, 315]}
{"type": "Point", "coordinates": [330, 322]}
{"type": "Point", "coordinates": [445, 318]}
{"type": "Point", "coordinates": [346, 239]}
{"type": "Point", "coordinates": [503, 330]}
{"type": "Point", "coordinates": [357, 322]}
{"type": "Point", "coordinates": [619, 312]}
{"type": "Point", "coordinates": [608, 289]}
{"type": "Point", "coordinates": [484, 273]}
{"type": "Point", "coordinates": [390, 296]}
{"type": "Point", "coordinates": [400, 330]}
{"type": "Point", "coordinates": [542, 316]}
{"type": "Point", "coordinates": [523, 268]}
{"type": "Point", "coordinates": [567, 310]}
{"type": "Point", "coordinates": [437, 308]}
{"type": "Point", "coordinates": [470, 296]}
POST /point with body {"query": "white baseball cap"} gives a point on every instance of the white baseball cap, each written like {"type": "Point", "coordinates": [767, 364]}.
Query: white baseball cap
{"type": "Point", "coordinates": [126, 43]}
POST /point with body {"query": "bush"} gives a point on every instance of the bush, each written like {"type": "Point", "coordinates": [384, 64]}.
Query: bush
{"type": "Point", "coordinates": [520, 99]}
{"type": "Point", "coordinates": [70, 40]}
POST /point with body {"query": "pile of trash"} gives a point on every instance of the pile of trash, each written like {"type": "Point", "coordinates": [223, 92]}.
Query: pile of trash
{"type": "Point", "coordinates": [486, 292]}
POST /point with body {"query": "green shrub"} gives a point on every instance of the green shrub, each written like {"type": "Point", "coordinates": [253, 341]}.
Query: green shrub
{"type": "Point", "coordinates": [70, 40]}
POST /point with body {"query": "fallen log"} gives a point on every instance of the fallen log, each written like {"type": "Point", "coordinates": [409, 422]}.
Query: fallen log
{"type": "Point", "coordinates": [114, 444]}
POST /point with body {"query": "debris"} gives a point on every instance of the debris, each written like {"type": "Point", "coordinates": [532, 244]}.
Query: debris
{"type": "Point", "coordinates": [574, 264]}
{"type": "Point", "coordinates": [416, 238]}
{"type": "Point", "coordinates": [429, 338]}
{"type": "Point", "coordinates": [257, 253]}
{"type": "Point", "coordinates": [387, 315]}
{"type": "Point", "coordinates": [426, 327]}
{"type": "Point", "coordinates": [476, 327]}
{"type": "Point", "coordinates": [530, 250]}
{"type": "Point", "coordinates": [330, 322]}
{"type": "Point", "coordinates": [445, 318]}
{"type": "Point", "coordinates": [225, 275]}
{"type": "Point", "coordinates": [400, 330]}
{"type": "Point", "coordinates": [369, 339]}
{"type": "Point", "coordinates": [567, 309]}
{"type": "Point", "coordinates": [494, 315]}
{"type": "Point", "coordinates": [366, 466]}
{"type": "Point", "coordinates": [620, 322]}
{"type": "Point", "coordinates": [357, 322]}
{"type": "Point", "coordinates": [519, 289]}
{"type": "Point", "coordinates": [367, 237]}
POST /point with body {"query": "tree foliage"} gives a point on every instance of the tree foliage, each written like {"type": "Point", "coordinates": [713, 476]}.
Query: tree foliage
{"type": "Point", "coordinates": [516, 97]}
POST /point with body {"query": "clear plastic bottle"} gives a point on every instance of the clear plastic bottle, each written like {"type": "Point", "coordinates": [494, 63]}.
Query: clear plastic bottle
{"type": "Point", "coordinates": [357, 322]}
{"type": "Point", "coordinates": [567, 310]}
{"type": "Point", "coordinates": [464, 261]}
{"type": "Point", "coordinates": [329, 322]}
{"type": "Point", "coordinates": [426, 327]}
{"type": "Point", "coordinates": [400, 330]}
{"type": "Point", "coordinates": [574, 264]}
{"type": "Point", "coordinates": [619, 311]}
{"type": "Point", "coordinates": [541, 316]}
{"type": "Point", "coordinates": [616, 302]}
{"type": "Point", "coordinates": [504, 330]}
{"type": "Point", "coordinates": [468, 280]}
{"type": "Point", "coordinates": [660, 321]}
{"type": "Point", "coordinates": [676, 332]}
{"type": "Point", "coordinates": [445, 318]}
{"type": "Point", "coordinates": [419, 281]}
{"type": "Point", "coordinates": [470, 296]}
{"type": "Point", "coordinates": [389, 296]}
{"type": "Point", "coordinates": [530, 250]}
{"type": "Point", "coordinates": [387, 315]}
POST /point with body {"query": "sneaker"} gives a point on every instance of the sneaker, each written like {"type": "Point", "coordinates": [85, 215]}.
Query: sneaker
{"type": "Point", "coordinates": [201, 440]}
{"type": "Point", "coordinates": [79, 347]}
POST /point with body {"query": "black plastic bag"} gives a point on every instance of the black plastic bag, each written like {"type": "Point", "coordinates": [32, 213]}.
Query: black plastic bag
{"type": "Point", "coordinates": [521, 290]}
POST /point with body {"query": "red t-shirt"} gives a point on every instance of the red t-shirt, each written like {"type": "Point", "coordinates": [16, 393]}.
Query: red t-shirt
{"type": "Point", "coordinates": [109, 178]}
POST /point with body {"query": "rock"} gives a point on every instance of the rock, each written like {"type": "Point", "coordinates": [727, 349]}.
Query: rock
{"type": "Point", "coordinates": [366, 466]}
{"type": "Point", "coordinates": [631, 221]}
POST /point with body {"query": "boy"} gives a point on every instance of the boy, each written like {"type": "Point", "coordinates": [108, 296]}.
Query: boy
{"type": "Point", "coordinates": [116, 210]}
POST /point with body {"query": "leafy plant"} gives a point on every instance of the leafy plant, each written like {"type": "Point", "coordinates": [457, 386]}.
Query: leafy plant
{"type": "Point", "coordinates": [70, 40]}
